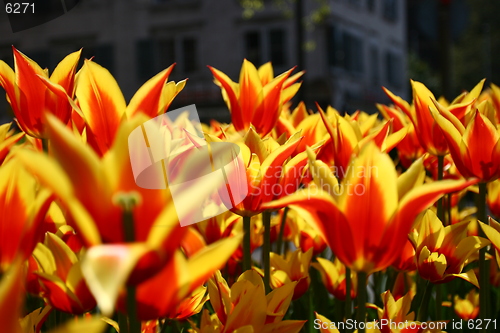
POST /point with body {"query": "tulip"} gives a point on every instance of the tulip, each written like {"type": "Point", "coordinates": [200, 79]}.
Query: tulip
{"type": "Point", "coordinates": [405, 260]}
{"type": "Point", "coordinates": [245, 306]}
{"type": "Point", "coordinates": [474, 144]}
{"type": "Point", "coordinates": [103, 106]}
{"type": "Point", "coordinates": [11, 299]}
{"type": "Point", "coordinates": [190, 305]}
{"type": "Point", "coordinates": [467, 308]}
{"type": "Point", "coordinates": [310, 126]}
{"type": "Point", "coordinates": [33, 322]}
{"type": "Point", "coordinates": [409, 149]}
{"type": "Point", "coordinates": [31, 92]}
{"type": "Point", "coordinates": [443, 252]}
{"type": "Point", "coordinates": [61, 277]}
{"type": "Point", "coordinates": [258, 97]}
{"type": "Point", "coordinates": [492, 232]}
{"type": "Point", "coordinates": [493, 197]}
{"type": "Point", "coordinates": [347, 137]}
{"type": "Point", "coordinates": [7, 140]}
{"type": "Point", "coordinates": [294, 268]}
{"type": "Point", "coordinates": [23, 210]}
{"type": "Point", "coordinates": [428, 132]}
{"type": "Point", "coordinates": [369, 239]}
{"type": "Point", "coordinates": [89, 190]}
{"type": "Point", "coordinates": [333, 276]}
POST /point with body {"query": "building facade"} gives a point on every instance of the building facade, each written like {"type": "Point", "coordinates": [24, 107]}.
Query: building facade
{"type": "Point", "coordinates": [351, 47]}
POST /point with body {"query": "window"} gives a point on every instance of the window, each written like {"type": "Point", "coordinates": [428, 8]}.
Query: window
{"type": "Point", "coordinates": [277, 47]}
{"type": "Point", "coordinates": [374, 66]}
{"type": "Point", "coordinates": [353, 53]}
{"type": "Point", "coordinates": [166, 53]}
{"type": "Point", "coordinates": [394, 69]}
{"type": "Point", "coordinates": [263, 46]}
{"type": "Point", "coordinates": [335, 54]}
{"type": "Point", "coordinates": [156, 54]}
{"type": "Point", "coordinates": [345, 50]}
{"type": "Point", "coordinates": [390, 10]}
{"type": "Point", "coordinates": [102, 54]}
{"type": "Point", "coordinates": [190, 54]}
{"type": "Point", "coordinates": [6, 55]}
{"type": "Point", "coordinates": [370, 4]}
{"type": "Point", "coordinates": [253, 48]}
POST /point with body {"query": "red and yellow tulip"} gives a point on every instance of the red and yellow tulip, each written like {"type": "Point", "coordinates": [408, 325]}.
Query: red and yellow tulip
{"type": "Point", "coordinates": [443, 252]}
{"type": "Point", "coordinates": [23, 210]}
{"type": "Point", "coordinates": [60, 276]}
{"type": "Point", "coordinates": [474, 142]}
{"type": "Point", "coordinates": [31, 92]}
{"type": "Point", "coordinates": [258, 98]}
{"type": "Point", "coordinates": [333, 275]}
{"type": "Point", "coordinates": [368, 239]}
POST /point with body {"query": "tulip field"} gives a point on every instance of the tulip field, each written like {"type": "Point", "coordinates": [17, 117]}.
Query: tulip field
{"type": "Point", "coordinates": [331, 222]}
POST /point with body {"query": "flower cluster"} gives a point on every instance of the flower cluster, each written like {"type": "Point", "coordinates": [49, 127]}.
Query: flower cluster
{"type": "Point", "coordinates": [329, 211]}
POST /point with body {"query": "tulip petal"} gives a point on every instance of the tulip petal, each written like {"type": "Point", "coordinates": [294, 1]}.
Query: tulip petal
{"type": "Point", "coordinates": [399, 102]}
{"type": "Point", "coordinates": [251, 95]}
{"type": "Point", "coordinates": [365, 185]}
{"type": "Point", "coordinates": [411, 178]}
{"type": "Point", "coordinates": [64, 73]}
{"type": "Point", "coordinates": [102, 103]}
{"type": "Point", "coordinates": [154, 97]}
{"type": "Point", "coordinates": [492, 234]}
{"type": "Point", "coordinates": [468, 276]}
{"type": "Point", "coordinates": [232, 92]}
{"type": "Point", "coordinates": [319, 209]}
{"type": "Point", "coordinates": [480, 138]}
{"type": "Point", "coordinates": [11, 298]}
{"type": "Point", "coordinates": [106, 269]}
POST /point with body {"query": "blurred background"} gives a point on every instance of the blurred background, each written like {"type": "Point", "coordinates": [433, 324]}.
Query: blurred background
{"type": "Point", "coordinates": [349, 48]}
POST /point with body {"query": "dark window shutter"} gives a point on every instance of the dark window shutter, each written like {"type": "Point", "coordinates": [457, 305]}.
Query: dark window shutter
{"type": "Point", "coordinates": [146, 59]}
{"type": "Point", "coordinates": [104, 56]}
{"type": "Point", "coordinates": [42, 58]}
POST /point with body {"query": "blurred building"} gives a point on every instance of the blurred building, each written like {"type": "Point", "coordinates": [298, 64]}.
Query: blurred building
{"type": "Point", "coordinates": [351, 47]}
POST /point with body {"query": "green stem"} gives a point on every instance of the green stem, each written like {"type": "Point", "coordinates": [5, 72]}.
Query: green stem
{"type": "Point", "coordinates": [266, 251]}
{"type": "Point", "coordinates": [484, 288]}
{"type": "Point", "coordinates": [310, 310]}
{"type": "Point", "coordinates": [45, 145]}
{"type": "Point", "coordinates": [439, 300]}
{"type": "Point", "coordinates": [424, 305]}
{"type": "Point", "coordinates": [123, 323]}
{"type": "Point", "coordinates": [247, 251]}
{"type": "Point", "coordinates": [361, 312]}
{"type": "Point", "coordinates": [133, 321]}
{"type": "Point", "coordinates": [440, 210]}
{"type": "Point", "coordinates": [127, 202]}
{"type": "Point", "coordinates": [279, 244]}
{"type": "Point", "coordinates": [348, 300]}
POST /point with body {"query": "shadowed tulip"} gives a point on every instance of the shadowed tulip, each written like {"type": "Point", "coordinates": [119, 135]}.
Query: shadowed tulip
{"type": "Point", "coordinates": [443, 252]}
{"type": "Point", "coordinates": [61, 279]}
{"type": "Point", "coordinates": [333, 276]}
